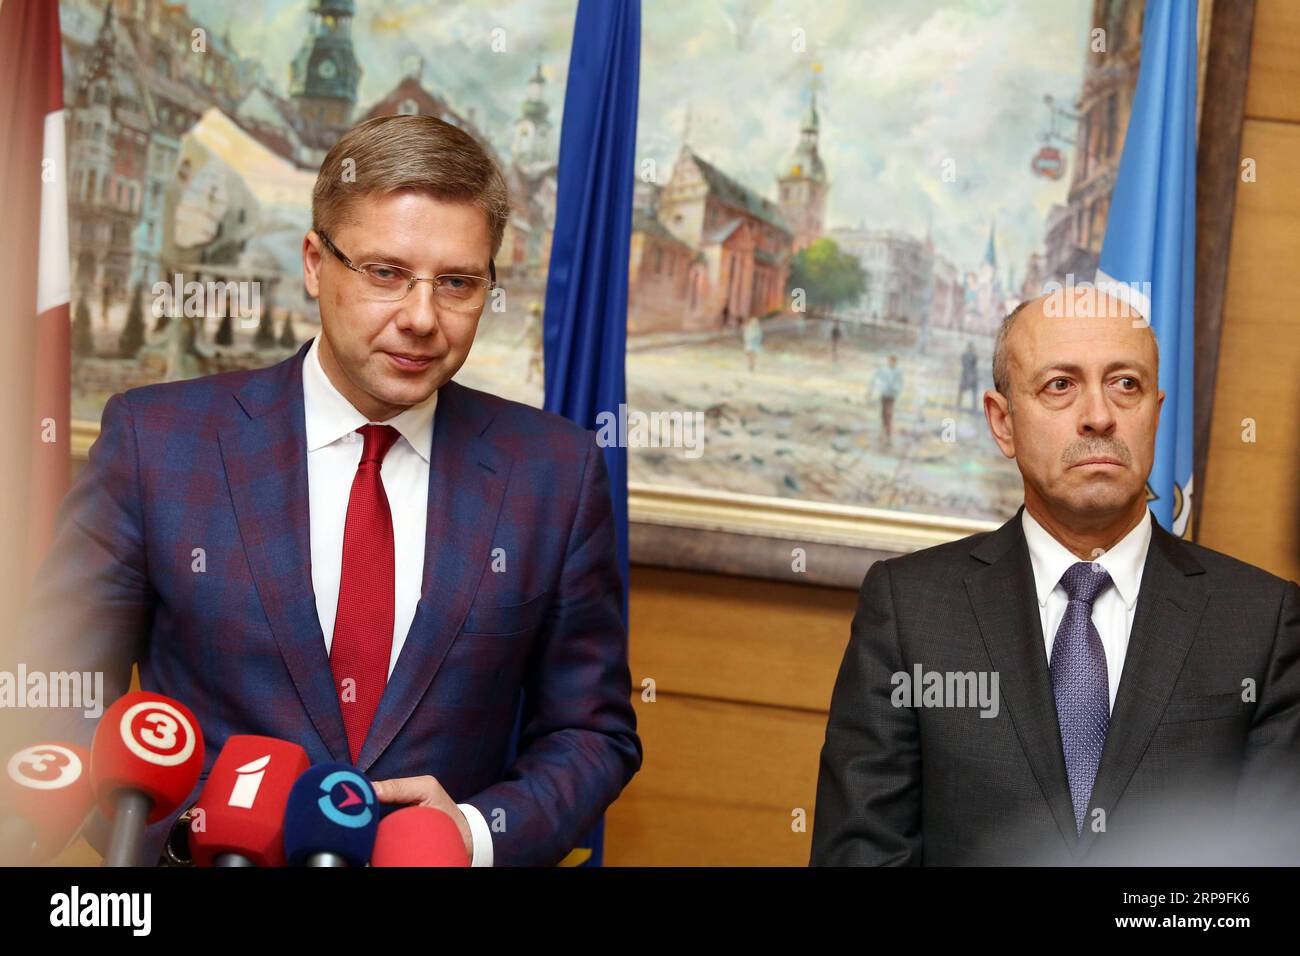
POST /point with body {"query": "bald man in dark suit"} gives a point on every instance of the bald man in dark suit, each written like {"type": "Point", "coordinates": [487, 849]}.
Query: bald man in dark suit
{"type": "Point", "coordinates": [1079, 686]}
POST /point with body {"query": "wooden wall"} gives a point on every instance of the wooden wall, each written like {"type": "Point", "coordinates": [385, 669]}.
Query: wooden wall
{"type": "Point", "coordinates": [744, 669]}
{"type": "Point", "coordinates": [742, 673]}
{"type": "Point", "coordinates": [1252, 490]}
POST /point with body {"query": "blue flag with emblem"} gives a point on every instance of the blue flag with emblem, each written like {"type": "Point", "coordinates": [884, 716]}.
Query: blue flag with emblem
{"type": "Point", "coordinates": [1149, 253]}
{"type": "Point", "coordinates": [585, 324]}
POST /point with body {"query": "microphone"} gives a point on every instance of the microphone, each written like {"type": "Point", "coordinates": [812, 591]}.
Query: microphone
{"type": "Point", "coordinates": [331, 817]}
{"type": "Point", "coordinates": [46, 796]}
{"type": "Point", "coordinates": [144, 761]}
{"type": "Point", "coordinates": [239, 818]}
{"type": "Point", "coordinates": [418, 836]}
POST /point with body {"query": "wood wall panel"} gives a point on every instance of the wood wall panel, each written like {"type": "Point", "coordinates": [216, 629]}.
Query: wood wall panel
{"type": "Point", "coordinates": [719, 786]}
{"type": "Point", "coordinates": [1252, 491]}
{"type": "Point", "coordinates": [1273, 87]}
{"type": "Point", "coordinates": [743, 674]}
{"type": "Point", "coordinates": [737, 639]}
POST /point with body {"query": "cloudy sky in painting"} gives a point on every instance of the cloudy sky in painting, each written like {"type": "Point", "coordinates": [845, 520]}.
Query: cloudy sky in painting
{"type": "Point", "coordinates": [904, 86]}
{"type": "Point", "coordinates": [454, 38]}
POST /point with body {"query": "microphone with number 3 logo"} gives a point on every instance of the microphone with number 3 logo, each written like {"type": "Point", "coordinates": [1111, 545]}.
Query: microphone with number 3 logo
{"type": "Point", "coordinates": [45, 799]}
{"type": "Point", "coordinates": [144, 762]}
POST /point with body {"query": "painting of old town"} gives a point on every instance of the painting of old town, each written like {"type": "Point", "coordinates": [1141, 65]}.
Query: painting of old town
{"type": "Point", "coordinates": [195, 130]}
{"type": "Point", "coordinates": [848, 197]}
{"type": "Point", "coordinates": [836, 201]}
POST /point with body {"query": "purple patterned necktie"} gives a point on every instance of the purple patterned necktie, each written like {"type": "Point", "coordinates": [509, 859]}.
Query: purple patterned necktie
{"type": "Point", "coordinates": [1080, 684]}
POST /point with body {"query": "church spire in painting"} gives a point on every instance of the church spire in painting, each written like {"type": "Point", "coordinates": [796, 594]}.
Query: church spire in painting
{"type": "Point", "coordinates": [324, 75]}
{"type": "Point", "coordinates": [802, 181]}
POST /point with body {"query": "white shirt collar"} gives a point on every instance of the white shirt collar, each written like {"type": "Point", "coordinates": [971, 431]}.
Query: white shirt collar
{"type": "Point", "coordinates": [330, 416]}
{"type": "Point", "coordinates": [1123, 562]}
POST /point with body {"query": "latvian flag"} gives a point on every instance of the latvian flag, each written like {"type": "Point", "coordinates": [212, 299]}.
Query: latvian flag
{"type": "Point", "coordinates": [34, 318]}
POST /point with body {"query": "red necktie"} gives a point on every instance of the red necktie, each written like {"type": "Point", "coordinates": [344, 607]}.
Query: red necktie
{"type": "Point", "coordinates": [363, 627]}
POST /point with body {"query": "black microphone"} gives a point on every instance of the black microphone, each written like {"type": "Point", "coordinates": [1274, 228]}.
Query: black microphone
{"type": "Point", "coordinates": [331, 818]}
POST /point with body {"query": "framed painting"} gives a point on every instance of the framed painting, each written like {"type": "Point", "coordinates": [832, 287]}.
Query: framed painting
{"type": "Point", "coordinates": [839, 203]}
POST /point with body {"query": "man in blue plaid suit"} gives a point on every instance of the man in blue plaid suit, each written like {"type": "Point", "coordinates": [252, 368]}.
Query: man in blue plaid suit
{"type": "Point", "coordinates": [230, 535]}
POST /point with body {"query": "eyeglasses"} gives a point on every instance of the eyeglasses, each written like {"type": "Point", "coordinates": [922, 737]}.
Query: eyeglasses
{"type": "Point", "coordinates": [388, 283]}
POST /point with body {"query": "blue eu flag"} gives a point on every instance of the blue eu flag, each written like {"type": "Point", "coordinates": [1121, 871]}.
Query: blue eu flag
{"type": "Point", "coordinates": [586, 292]}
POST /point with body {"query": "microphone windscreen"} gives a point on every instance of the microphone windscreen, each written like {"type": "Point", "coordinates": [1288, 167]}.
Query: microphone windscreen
{"type": "Point", "coordinates": [148, 743]}
{"type": "Point", "coordinates": [332, 809]}
{"type": "Point", "coordinates": [418, 836]}
{"type": "Point", "coordinates": [48, 786]}
{"type": "Point", "coordinates": [241, 809]}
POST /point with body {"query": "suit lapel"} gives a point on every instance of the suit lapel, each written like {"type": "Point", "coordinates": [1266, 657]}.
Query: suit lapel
{"type": "Point", "coordinates": [1003, 598]}
{"type": "Point", "coordinates": [467, 482]}
{"type": "Point", "coordinates": [265, 459]}
{"type": "Point", "coordinates": [1169, 608]}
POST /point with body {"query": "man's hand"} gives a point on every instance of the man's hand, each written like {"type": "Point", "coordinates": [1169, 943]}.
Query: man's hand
{"type": "Point", "coordinates": [425, 791]}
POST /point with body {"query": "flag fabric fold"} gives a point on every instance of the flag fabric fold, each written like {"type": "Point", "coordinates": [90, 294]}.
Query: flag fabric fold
{"type": "Point", "coordinates": [1148, 258]}
{"type": "Point", "coordinates": [35, 329]}
{"type": "Point", "coordinates": [585, 324]}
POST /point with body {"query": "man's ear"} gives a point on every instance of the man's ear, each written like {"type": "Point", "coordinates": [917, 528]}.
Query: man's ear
{"type": "Point", "coordinates": [998, 412]}
{"type": "Point", "coordinates": [311, 256]}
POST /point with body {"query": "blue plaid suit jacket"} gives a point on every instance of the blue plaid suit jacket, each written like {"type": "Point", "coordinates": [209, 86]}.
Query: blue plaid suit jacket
{"type": "Point", "coordinates": [183, 546]}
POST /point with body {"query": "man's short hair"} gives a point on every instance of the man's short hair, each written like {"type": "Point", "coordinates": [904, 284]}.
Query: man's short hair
{"type": "Point", "coordinates": [418, 153]}
{"type": "Point", "coordinates": [1000, 372]}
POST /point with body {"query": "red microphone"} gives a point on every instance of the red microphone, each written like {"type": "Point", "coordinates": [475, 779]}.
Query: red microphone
{"type": "Point", "coordinates": [145, 760]}
{"type": "Point", "coordinates": [418, 836]}
{"type": "Point", "coordinates": [239, 819]}
{"type": "Point", "coordinates": [46, 798]}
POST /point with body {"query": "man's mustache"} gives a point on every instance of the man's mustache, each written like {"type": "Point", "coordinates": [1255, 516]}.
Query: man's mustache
{"type": "Point", "coordinates": [1082, 451]}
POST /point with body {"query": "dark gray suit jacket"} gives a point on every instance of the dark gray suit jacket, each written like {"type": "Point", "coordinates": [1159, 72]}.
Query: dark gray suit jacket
{"type": "Point", "coordinates": [1195, 768]}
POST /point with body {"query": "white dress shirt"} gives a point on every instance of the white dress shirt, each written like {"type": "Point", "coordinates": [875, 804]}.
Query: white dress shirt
{"type": "Point", "coordinates": [1112, 611]}
{"type": "Point", "coordinates": [333, 454]}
